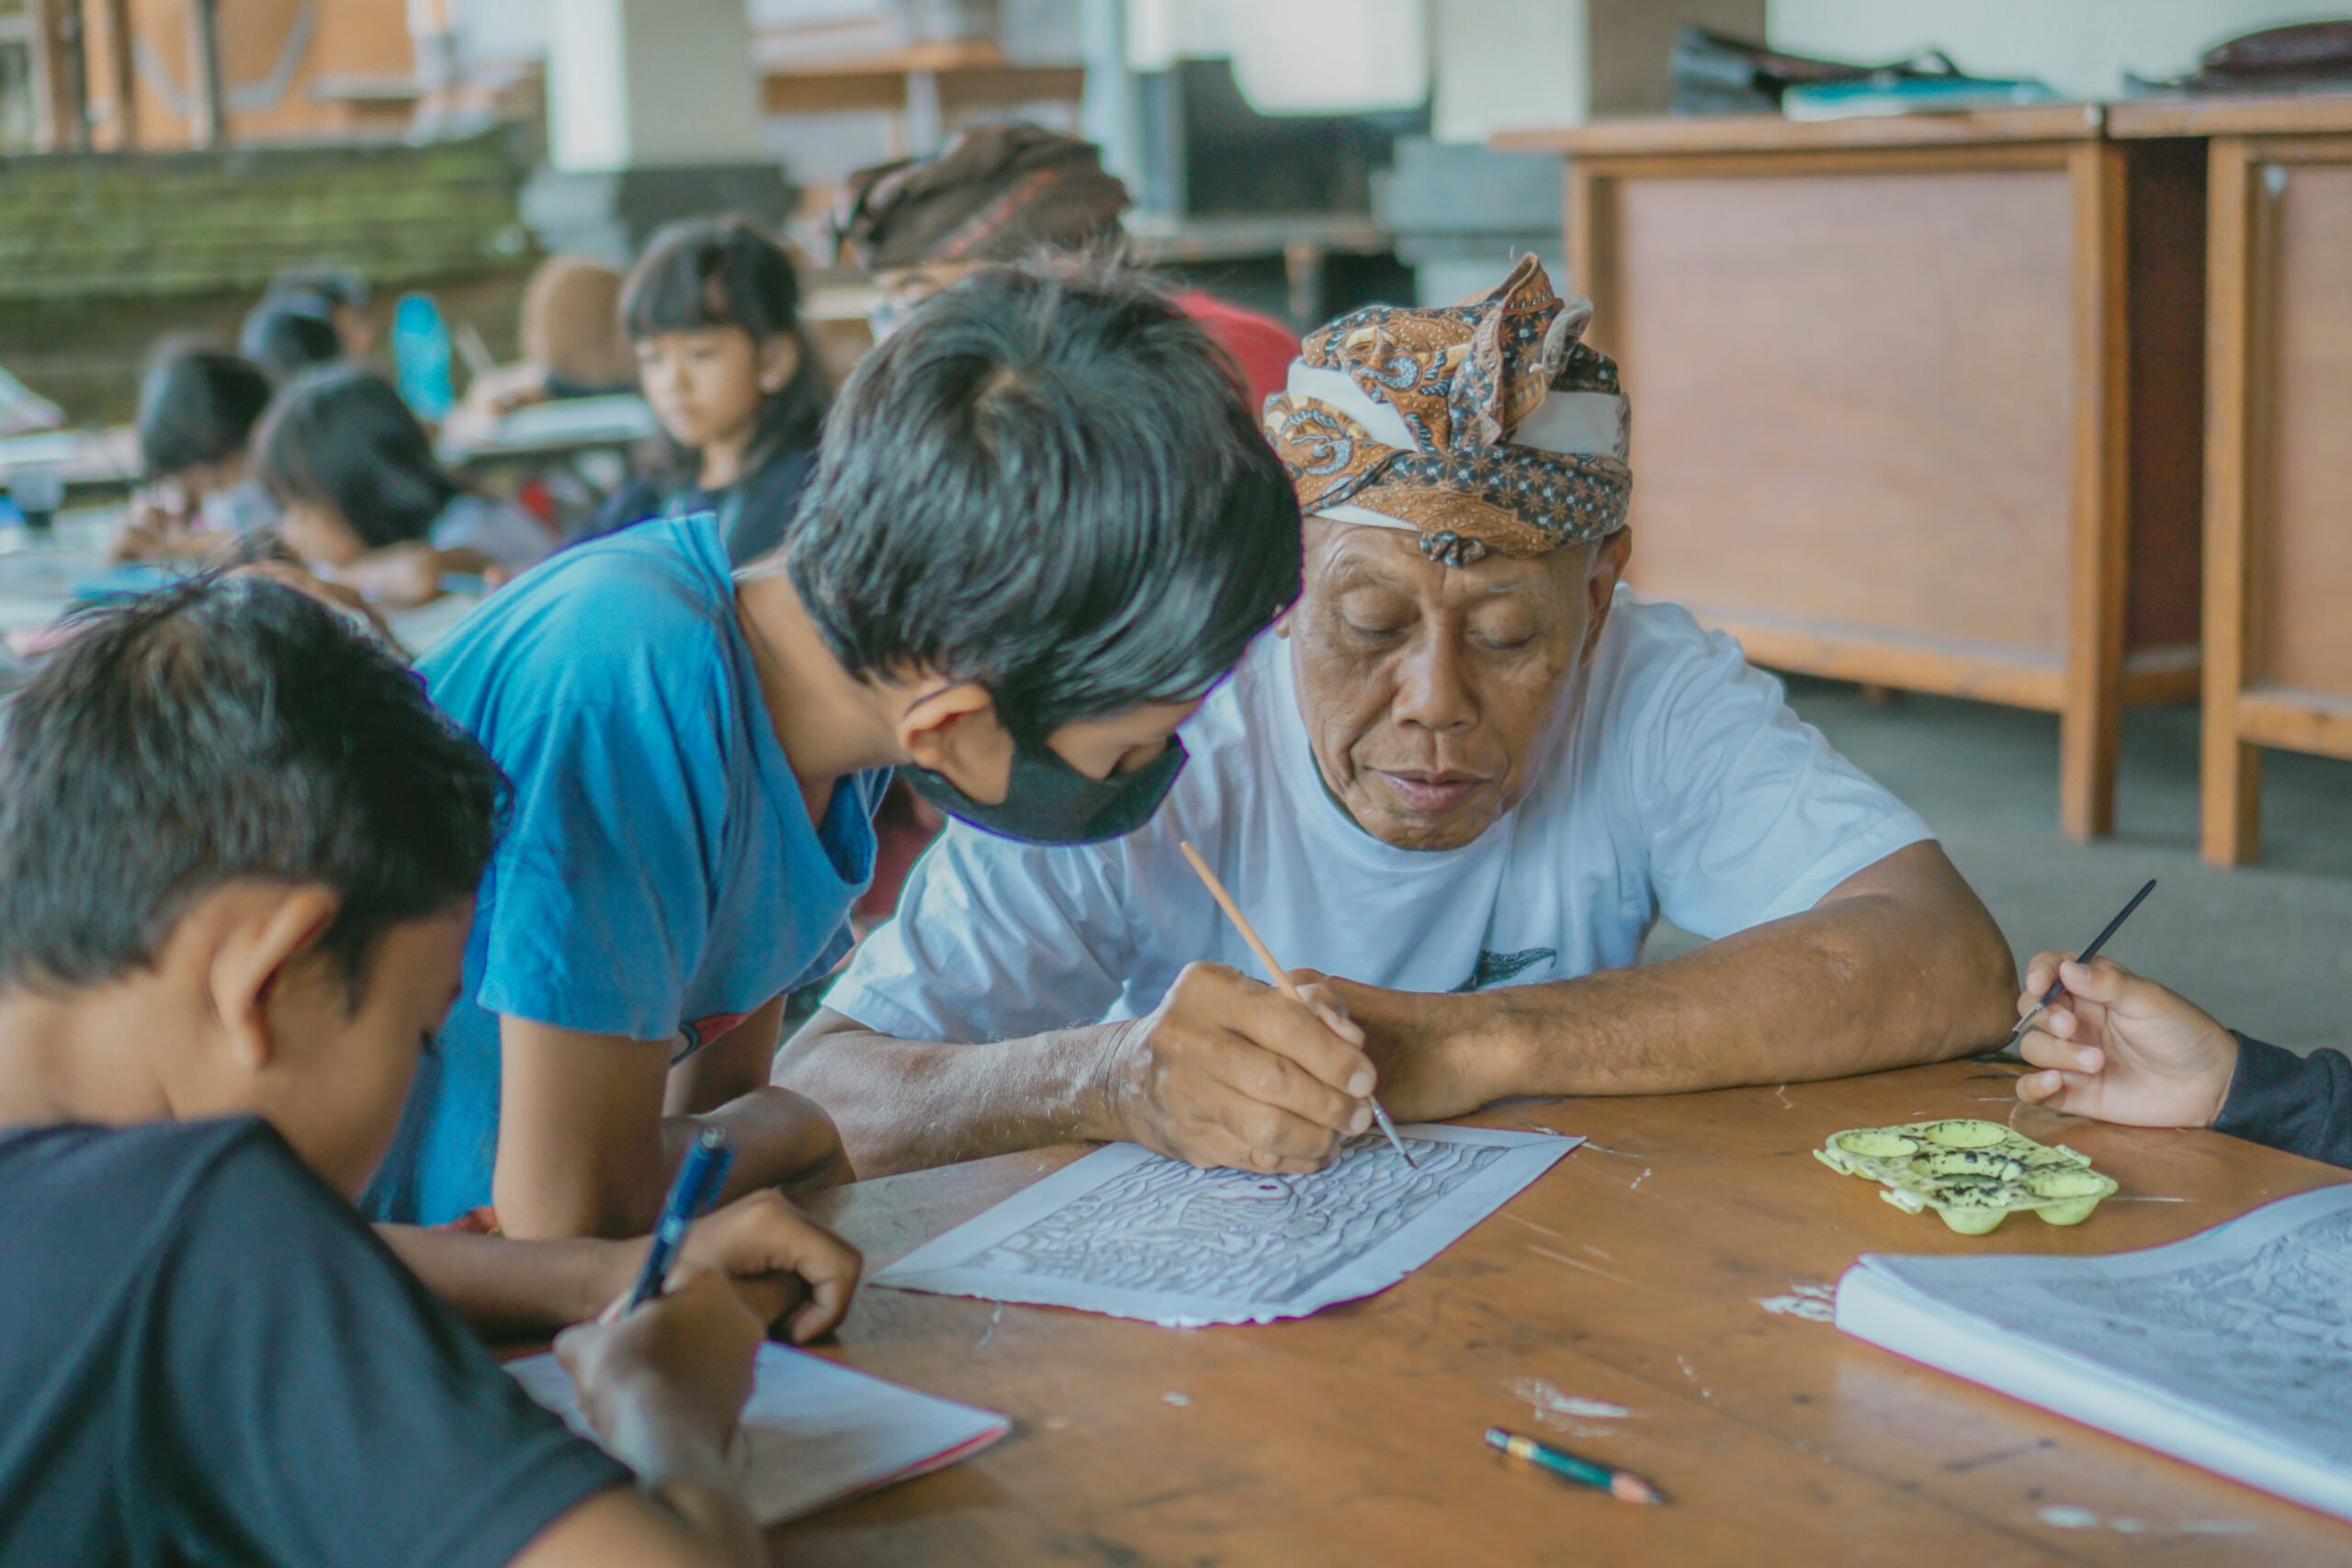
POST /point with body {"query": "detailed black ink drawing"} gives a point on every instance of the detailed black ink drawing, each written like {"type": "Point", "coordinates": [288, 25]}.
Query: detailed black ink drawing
{"type": "Point", "coordinates": [1232, 1234]}
{"type": "Point", "coordinates": [2264, 1335]}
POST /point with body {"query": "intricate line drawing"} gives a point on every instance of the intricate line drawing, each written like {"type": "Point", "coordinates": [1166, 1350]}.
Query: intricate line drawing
{"type": "Point", "coordinates": [1127, 1232]}
{"type": "Point", "coordinates": [1232, 1233]}
{"type": "Point", "coordinates": [2264, 1335]}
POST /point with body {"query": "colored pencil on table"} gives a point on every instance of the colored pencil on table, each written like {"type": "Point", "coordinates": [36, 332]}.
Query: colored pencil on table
{"type": "Point", "coordinates": [1282, 976]}
{"type": "Point", "coordinates": [1622, 1484]}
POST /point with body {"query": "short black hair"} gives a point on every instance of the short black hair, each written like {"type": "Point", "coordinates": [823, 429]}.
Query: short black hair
{"type": "Point", "coordinates": [342, 438]}
{"type": "Point", "coordinates": [1047, 483]}
{"type": "Point", "coordinates": [222, 729]}
{"type": "Point", "coordinates": [337, 288]}
{"type": "Point", "coordinates": [730, 272]}
{"type": "Point", "coordinates": [196, 405]}
{"type": "Point", "coordinates": [289, 334]}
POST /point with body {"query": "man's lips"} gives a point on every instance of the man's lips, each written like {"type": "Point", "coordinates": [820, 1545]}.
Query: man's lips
{"type": "Point", "coordinates": [1432, 792]}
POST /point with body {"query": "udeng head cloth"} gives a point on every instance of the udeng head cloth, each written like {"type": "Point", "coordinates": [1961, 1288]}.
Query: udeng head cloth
{"type": "Point", "coordinates": [1486, 425]}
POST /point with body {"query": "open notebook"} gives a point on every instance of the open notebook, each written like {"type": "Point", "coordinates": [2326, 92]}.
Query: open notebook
{"type": "Point", "coordinates": [2231, 1349]}
{"type": "Point", "coordinates": [814, 1433]}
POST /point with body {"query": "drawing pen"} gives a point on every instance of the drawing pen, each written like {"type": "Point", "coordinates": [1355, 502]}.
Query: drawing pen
{"type": "Point", "coordinates": [700, 1175]}
{"type": "Point", "coordinates": [2057, 986]}
{"type": "Point", "coordinates": [1622, 1484]}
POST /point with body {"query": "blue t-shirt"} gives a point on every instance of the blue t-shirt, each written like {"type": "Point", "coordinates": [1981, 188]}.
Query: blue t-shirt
{"type": "Point", "coordinates": [659, 876]}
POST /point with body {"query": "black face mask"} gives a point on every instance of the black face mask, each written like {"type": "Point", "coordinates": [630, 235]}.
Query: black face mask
{"type": "Point", "coordinates": [1049, 802]}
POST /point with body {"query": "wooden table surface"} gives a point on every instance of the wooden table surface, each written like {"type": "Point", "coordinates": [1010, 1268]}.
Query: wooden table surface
{"type": "Point", "coordinates": [1632, 1274]}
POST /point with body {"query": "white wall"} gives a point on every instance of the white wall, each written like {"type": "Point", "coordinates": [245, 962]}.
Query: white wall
{"type": "Point", "coordinates": [2081, 47]}
{"type": "Point", "coordinates": [649, 82]}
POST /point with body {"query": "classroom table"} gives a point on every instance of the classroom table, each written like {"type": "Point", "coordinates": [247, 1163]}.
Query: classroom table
{"type": "Point", "coordinates": [2277, 468]}
{"type": "Point", "coordinates": [1635, 1273]}
{"type": "Point", "coordinates": [38, 576]}
{"type": "Point", "coordinates": [1916, 399]}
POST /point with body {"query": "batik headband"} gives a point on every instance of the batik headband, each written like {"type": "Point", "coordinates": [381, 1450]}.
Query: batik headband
{"type": "Point", "coordinates": [1486, 426]}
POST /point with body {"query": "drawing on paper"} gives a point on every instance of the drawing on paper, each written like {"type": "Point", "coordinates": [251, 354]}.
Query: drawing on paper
{"type": "Point", "coordinates": [1166, 1227]}
{"type": "Point", "coordinates": [1127, 1231]}
{"type": "Point", "coordinates": [2266, 1332]}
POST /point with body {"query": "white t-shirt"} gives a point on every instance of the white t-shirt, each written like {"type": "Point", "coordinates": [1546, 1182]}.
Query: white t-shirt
{"type": "Point", "coordinates": [1685, 784]}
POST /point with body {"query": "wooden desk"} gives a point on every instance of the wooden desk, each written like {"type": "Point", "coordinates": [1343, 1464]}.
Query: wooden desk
{"type": "Point", "coordinates": [1885, 424]}
{"type": "Point", "coordinates": [2278, 460]}
{"type": "Point", "coordinates": [1630, 1273]}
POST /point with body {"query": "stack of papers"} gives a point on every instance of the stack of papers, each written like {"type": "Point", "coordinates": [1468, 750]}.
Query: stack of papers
{"type": "Point", "coordinates": [2231, 1349]}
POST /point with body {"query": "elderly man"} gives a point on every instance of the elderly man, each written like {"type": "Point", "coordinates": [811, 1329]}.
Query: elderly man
{"type": "Point", "coordinates": [1462, 783]}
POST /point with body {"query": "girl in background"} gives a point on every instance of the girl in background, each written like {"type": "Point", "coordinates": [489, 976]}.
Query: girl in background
{"type": "Point", "coordinates": [713, 310]}
{"type": "Point", "coordinates": [197, 407]}
{"type": "Point", "coordinates": [365, 503]}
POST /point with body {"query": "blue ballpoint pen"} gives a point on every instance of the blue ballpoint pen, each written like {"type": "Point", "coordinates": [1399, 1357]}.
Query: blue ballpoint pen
{"type": "Point", "coordinates": [700, 1175]}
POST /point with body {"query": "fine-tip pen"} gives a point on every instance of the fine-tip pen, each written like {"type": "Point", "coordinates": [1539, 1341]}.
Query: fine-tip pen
{"type": "Point", "coordinates": [2057, 986]}
{"type": "Point", "coordinates": [1622, 1484]}
{"type": "Point", "coordinates": [700, 1175]}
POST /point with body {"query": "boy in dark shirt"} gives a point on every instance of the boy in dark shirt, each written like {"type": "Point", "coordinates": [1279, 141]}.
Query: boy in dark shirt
{"type": "Point", "coordinates": [2124, 1049]}
{"type": "Point", "coordinates": [238, 852]}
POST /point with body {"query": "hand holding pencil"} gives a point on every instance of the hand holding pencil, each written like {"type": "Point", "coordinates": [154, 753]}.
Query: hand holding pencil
{"type": "Point", "coordinates": [1230, 1072]}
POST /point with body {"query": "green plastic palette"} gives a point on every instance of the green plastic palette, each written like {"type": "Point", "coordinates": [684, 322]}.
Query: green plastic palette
{"type": "Point", "coordinates": [1974, 1173]}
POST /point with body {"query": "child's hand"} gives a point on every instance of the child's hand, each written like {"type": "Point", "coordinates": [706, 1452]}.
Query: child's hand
{"type": "Point", "coordinates": [788, 1268]}
{"type": "Point", "coordinates": [2120, 1048]}
{"type": "Point", "coordinates": [680, 1365]}
{"type": "Point", "coordinates": [403, 576]}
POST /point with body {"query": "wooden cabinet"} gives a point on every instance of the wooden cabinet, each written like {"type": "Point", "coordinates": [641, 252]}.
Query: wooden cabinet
{"type": "Point", "coordinates": [2277, 440]}
{"type": "Point", "coordinates": [1916, 402]}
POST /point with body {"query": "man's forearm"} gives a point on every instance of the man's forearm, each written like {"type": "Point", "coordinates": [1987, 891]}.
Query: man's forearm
{"type": "Point", "coordinates": [905, 1104]}
{"type": "Point", "coordinates": [1856, 985]}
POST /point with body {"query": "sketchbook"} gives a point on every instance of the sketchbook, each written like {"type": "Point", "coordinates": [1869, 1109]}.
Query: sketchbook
{"type": "Point", "coordinates": [814, 1433]}
{"type": "Point", "coordinates": [1134, 1235]}
{"type": "Point", "coordinates": [2231, 1349]}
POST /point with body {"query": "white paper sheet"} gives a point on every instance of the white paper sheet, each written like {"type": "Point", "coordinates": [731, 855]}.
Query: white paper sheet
{"type": "Point", "coordinates": [814, 1432]}
{"type": "Point", "coordinates": [1129, 1232]}
{"type": "Point", "coordinates": [2231, 1349]}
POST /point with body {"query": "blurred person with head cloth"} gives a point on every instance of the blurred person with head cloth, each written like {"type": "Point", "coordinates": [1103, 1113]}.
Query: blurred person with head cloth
{"type": "Point", "coordinates": [1003, 193]}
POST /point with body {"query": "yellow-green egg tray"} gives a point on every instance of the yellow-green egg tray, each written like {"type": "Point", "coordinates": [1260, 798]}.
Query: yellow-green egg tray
{"type": "Point", "coordinates": [1972, 1174]}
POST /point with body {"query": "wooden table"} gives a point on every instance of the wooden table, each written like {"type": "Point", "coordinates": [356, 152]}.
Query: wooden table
{"type": "Point", "coordinates": [1915, 400]}
{"type": "Point", "coordinates": [1629, 1274]}
{"type": "Point", "coordinates": [2278, 460]}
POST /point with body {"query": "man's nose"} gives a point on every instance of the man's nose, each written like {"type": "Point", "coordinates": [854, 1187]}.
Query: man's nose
{"type": "Point", "coordinates": [1433, 688]}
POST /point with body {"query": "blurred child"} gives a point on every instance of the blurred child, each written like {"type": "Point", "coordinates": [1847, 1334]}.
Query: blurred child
{"type": "Point", "coordinates": [238, 857]}
{"type": "Point", "coordinates": [197, 408]}
{"type": "Point", "coordinates": [339, 294]}
{"type": "Point", "coordinates": [713, 310]}
{"type": "Point", "coordinates": [2123, 1049]}
{"type": "Point", "coordinates": [289, 334]}
{"type": "Point", "coordinates": [365, 502]}
{"type": "Point", "coordinates": [571, 341]}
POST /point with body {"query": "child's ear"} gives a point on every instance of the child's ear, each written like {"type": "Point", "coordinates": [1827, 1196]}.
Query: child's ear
{"type": "Point", "coordinates": [779, 359]}
{"type": "Point", "coordinates": [252, 966]}
{"type": "Point", "coordinates": [948, 726]}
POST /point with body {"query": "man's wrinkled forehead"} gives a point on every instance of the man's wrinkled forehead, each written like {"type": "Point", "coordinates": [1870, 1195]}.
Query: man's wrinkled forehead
{"type": "Point", "coordinates": [1341, 556]}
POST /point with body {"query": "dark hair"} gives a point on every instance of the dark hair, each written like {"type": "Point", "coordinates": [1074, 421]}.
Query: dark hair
{"type": "Point", "coordinates": [197, 405]}
{"type": "Point", "coordinates": [729, 271]}
{"type": "Point", "coordinates": [289, 334]}
{"type": "Point", "coordinates": [336, 288]}
{"type": "Point", "coordinates": [1047, 483]}
{"type": "Point", "coordinates": [228, 728]}
{"type": "Point", "coordinates": [341, 438]}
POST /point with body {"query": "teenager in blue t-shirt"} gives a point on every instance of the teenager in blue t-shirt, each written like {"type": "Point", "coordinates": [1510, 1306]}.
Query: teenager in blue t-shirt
{"type": "Point", "coordinates": [1043, 525]}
